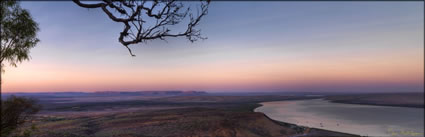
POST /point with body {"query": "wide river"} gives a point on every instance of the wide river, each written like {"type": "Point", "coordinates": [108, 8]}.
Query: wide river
{"type": "Point", "coordinates": [348, 118]}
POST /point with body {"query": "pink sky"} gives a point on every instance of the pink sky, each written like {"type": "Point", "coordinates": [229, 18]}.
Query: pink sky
{"type": "Point", "coordinates": [281, 46]}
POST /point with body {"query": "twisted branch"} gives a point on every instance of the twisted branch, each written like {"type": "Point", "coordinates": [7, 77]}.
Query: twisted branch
{"type": "Point", "coordinates": [135, 14]}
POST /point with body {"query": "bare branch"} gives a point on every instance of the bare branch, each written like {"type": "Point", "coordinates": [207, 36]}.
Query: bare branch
{"type": "Point", "coordinates": [88, 5]}
{"type": "Point", "coordinates": [161, 14]}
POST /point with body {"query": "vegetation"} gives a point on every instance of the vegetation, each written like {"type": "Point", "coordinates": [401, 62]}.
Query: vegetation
{"type": "Point", "coordinates": [18, 36]}
{"type": "Point", "coordinates": [15, 111]}
{"type": "Point", "coordinates": [206, 116]}
{"type": "Point", "coordinates": [18, 33]}
{"type": "Point", "coordinates": [206, 121]}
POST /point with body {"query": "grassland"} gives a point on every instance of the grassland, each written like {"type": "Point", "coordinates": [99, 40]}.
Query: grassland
{"type": "Point", "coordinates": [174, 116]}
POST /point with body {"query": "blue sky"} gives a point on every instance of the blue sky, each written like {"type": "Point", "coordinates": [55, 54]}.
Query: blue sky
{"type": "Point", "coordinates": [251, 46]}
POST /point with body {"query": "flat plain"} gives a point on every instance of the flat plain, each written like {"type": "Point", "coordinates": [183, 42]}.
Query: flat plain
{"type": "Point", "coordinates": [194, 115]}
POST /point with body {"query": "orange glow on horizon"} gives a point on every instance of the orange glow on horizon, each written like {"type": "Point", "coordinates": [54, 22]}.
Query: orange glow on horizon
{"type": "Point", "coordinates": [273, 73]}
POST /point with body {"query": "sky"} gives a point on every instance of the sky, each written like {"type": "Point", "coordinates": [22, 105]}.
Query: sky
{"type": "Point", "coordinates": [251, 47]}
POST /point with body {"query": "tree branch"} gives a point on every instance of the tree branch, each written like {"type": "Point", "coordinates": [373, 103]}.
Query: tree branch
{"type": "Point", "coordinates": [163, 14]}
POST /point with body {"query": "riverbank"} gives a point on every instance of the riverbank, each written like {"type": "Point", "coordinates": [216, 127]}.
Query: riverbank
{"type": "Point", "coordinates": [363, 120]}
{"type": "Point", "coordinates": [304, 131]}
{"type": "Point", "coordinates": [412, 100]}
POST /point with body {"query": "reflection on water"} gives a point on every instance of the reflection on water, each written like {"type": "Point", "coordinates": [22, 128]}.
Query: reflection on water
{"type": "Point", "coordinates": [349, 118]}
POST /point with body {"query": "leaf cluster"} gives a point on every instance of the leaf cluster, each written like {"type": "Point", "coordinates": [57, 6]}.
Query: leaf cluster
{"type": "Point", "coordinates": [18, 33]}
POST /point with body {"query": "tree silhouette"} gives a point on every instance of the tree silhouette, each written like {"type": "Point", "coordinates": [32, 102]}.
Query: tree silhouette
{"type": "Point", "coordinates": [149, 20]}
{"type": "Point", "coordinates": [15, 111]}
{"type": "Point", "coordinates": [18, 34]}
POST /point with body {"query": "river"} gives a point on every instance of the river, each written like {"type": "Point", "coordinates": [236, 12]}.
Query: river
{"type": "Point", "coordinates": [365, 120]}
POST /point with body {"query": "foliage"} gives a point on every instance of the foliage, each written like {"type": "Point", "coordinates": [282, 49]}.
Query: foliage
{"type": "Point", "coordinates": [18, 33]}
{"type": "Point", "coordinates": [15, 111]}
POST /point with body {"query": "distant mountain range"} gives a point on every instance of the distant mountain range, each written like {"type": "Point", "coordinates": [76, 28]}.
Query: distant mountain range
{"type": "Point", "coordinates": [152, 92]}
{"type": "Point", "coordinates": [111, 93]}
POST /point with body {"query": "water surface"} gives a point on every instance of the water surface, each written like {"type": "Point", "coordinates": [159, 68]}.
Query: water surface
{"type": "Point", "coordinates": [349, 118]}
